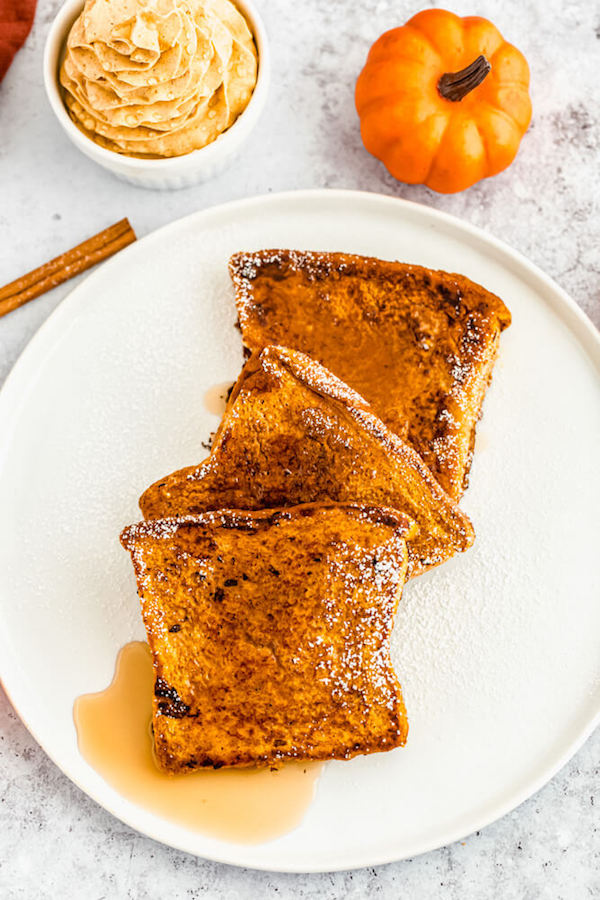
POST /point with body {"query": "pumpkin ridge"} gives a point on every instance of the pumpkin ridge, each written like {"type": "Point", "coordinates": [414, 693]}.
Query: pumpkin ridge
{"type": "Point", "coordinates": [521, 85]}
{"type": "Point", "coordinates": [483, 140]}
{"type": "Point", "coordinates": [426, 38]}
{"type": "Point", "coordinates": [511, 47]}
{"type": "Point", "coordinates": [391, 90]}
{"type": "Point", "coordinates": [423, 33]}
{"type": "Point", "coordinates": [391, 54]}
{"type": "Point", "coordinates": [501, 112]}
{"type": "Point", "coordinates": [433, 158]}
{"type": "Point", "coordinates": [419, 124]}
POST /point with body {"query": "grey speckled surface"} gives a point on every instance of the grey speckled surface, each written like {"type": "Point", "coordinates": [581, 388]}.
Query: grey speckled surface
{"type": "Point", "coordinates": [54, 841]}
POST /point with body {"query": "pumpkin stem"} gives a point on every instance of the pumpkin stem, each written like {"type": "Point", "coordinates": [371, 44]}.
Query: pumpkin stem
{"type": "Point", "coordinates": [456, 85]}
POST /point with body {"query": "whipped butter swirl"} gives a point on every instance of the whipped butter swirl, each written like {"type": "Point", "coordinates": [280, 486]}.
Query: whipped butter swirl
{"type": "Point", "coordinates": [158, 78]}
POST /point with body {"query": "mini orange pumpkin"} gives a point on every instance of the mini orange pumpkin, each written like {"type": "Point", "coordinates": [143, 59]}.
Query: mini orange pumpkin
{"type": "Point", "coordinates": [443, 101]}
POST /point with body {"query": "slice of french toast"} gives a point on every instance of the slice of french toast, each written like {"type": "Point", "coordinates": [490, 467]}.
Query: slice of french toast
{"type": "Point", "coordinates": [269, 633]}
{"type": "Point", "coordinates": [419, 345]}
{"type": "Point", "coordinates": [294, 433]}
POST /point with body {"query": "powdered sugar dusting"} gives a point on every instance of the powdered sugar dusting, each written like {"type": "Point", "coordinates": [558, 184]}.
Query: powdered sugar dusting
{"type": "Point", "coordinates": [432, 333]}
{"type": "Point", "coordinates": [314, 589]}
{"type": "Point", "coordinates": [488, 628]}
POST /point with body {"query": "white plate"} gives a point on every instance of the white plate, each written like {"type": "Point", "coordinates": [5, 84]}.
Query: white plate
{"type": "Point", "coordinates": [498, 651]}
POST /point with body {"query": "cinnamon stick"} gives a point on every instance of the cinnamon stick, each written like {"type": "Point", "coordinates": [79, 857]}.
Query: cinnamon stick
{"type": "Point", "coordinates": [65, 266]}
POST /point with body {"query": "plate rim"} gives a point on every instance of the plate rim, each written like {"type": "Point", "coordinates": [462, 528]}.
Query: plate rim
{"type": "Point", "coordinates": [24, 370]}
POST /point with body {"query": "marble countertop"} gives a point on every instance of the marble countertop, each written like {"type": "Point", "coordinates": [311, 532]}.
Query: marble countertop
{"type": "Point", "coordinates": [54, 841]}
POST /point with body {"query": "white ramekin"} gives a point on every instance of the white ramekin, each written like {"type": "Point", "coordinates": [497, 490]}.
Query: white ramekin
{"type": "Point", "coordinates": [177, 171]}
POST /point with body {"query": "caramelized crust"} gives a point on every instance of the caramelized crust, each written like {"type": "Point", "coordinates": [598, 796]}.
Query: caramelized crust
{"type": "Point", "coordinates": [418, 344]}
{"type": "Point", "coordinates": [293, 433]}
{"type": "Point", "coordinates": [269, 633]}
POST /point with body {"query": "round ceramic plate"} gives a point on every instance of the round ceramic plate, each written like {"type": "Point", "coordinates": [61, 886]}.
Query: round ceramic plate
{"type": "Point", "coordinates": [498, 651]}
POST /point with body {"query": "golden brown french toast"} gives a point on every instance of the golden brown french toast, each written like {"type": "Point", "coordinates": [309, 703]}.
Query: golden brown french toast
{"type": "Point", "coordinates": [294, 433]}
{"type": "Point", "coordinates": [418, 344]}
{"type": "Point", "coordinates": [269, 633]}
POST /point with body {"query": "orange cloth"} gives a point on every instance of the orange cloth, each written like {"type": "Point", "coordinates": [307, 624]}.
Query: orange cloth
{"type": "Point", "coordinates": [16, 19]}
